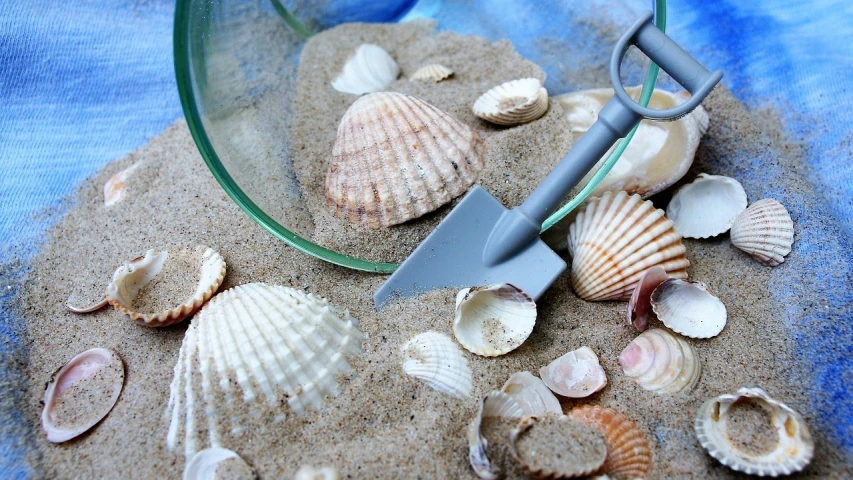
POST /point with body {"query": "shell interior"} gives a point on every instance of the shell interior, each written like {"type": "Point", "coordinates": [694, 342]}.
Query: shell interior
{"type": "Point", "coordinates": [688, 308]}
{"type": "Point", "coordinates": [209, 464]}
{"type": "Point", "coordinates": [765, 231]}
{"type": "Point", "coordinates": [557, 447]}
{"type": "Point", "coordinates": [495, 404]}
{"type": "Point", "coordinates": [531, 393]}
{"type": "Point", "coordinates": [640, 305]}
{"type": "Point", "coordinates": [370, 69]}
{"type": "Point", "coordinates": [661, 362]}
{"type": "Point", "coordinates": [494, 319]}
{"type": "Point", "coordinates": [629, 455]}
{"type": "Point", "coordinates": [433, 72]}
{"type": "Point", "coordinates": [576, 374]}
{"type": "Point", "coordinates": [435, 359]}
{"type": "Point", "coordinates": [706, 207]}
{"type": "Point", "coordinates": [513, 103]}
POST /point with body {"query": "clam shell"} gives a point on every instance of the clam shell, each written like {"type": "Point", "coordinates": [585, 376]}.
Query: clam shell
{"type": "Point", "coordinates": [494, 319]}
{"type": "Point", "coordinates": [531, 393]}
{"type": "Point", "coordinates": [435, 359]}
{"type": "Point", "coordinates": [370, 69]}
{"type": "Point", "coordinates": [513, 103]}
{"type": "Point", "coordinates": [93, 378]}
{"type": "Point", "coordinates": [205, 464]}
{"type": "Point", "coordinates": [781, 446]}
{"type": "Point", "coordinates": [536, 440]}
{"type": "Point", "coordinates": [628, 453]}
{"type": "Point", "coordinates": [115, 188]}
{"type": "Point", "coordinates": [640, 304]}
{"type": "Point", "coordinates": [576, 374]}
{"type": "Point", "coordinates": [706, 207]}
{"type": "Point", "coordinates": [661, 362]}
{"type": "Point", "coordinates": [615, 239]}
{"type": "Point", "coordinates": [660, 152]}
{"type": "Point", "coordinates": [396, 158]}
{"type": "Point", "coordinates": [765, 231]}
{"type": "Point", "coordinates": [258, 343]}
{"type": "Point", "coordinates": [432, 73]}
{"type": "Point", "coordinates": [688, 308]}
{"type": "Point", "coordinates": [310, 473]}
{"type": "Point", "coordinates": [495, 404]}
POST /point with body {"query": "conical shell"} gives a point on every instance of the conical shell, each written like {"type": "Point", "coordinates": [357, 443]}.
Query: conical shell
{"type": "Point", "coordinates": [661, 362]}
{"type": "Point", "coordinates": [553, 447]}
{"type": "Point", "coordinates": [370, 69]}
{"type": "Point", "coordinates": [576, 374]}
{"type": "Point", "coordinates": [396, 158]}
{"type": "Point", "coordinates": [432, 73]}
{"type": "Point", "coordinates": [688, 308]}
{"type": "Point", "coordinates": [706, 207]}
{"type": "Point", "coordinates": [206, 464]}
{"type": "Point", "coordinates": [495, 404]}
{"type": "Point", "coordinates": [513, 103]}
{"type": "Point", "coordinates": [494, 319]}
{"type": "Point", "coordinates": [615, 239]}
{"type": "Point", "coordinates": [640, 304]}
{"type": "Point", "coordinates": [437, 360]}
{"type": "Point", "coordinates": [628, 453]}
{"type": "Point", "coordinates": [258, 343]}
{"type": "Point", "coordinates": [531, 393]}
{"type": "Point", "coordinates": [765, 231]}
{"type": "Point", "coordinates": [778, 445]}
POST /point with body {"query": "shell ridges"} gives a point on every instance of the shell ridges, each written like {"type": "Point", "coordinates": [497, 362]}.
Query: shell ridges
{"type": "Point", "coordinates": [661, 362]}
{"type": "Point", "coordinates": [435, 359]}
{"type": "Point", "coordinates": [765, 231]}
{"type": "Point", "coordinates": [370, 69]}
{"type": "Point", "coordinates": [629, 455]}
{"type": "Point", "coordinates": [513, 103]}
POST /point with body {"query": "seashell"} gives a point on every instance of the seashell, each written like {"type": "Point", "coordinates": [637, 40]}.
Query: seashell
{"type": "Point", "coordinates": [615, 239]}
{"type": "Point", "coordinates": [494, 319]}
{"type": "Point", "coordinates": [513, 103]}
{"type": "Point", "coordinates": [258, 343]}
{"type": "Point", "coordinates": [688, 308]}
{"type": "Point", "coordinates": [81, 394]}
{"type": "Point", "coordinates": [576, 374]}
{"type": "Point", "coordinates": [706, 207]}
{"type": "Point", "coordinates": [660, 152]}
{"type": "Point", "coordinates": [370, 69]}
{"type": "Point", "coordinates": [640, 304]}
{"type": "Point", "coordinates": [396, 158]}
{"type": "Point", "coordinates": [531, 393]}
{"type": "Point", "coordinates": [495, 404]}
{"type": "Point", "coordinates": [628, 453]}
{"type": "Point", "coordinates": [661, 362]}
{"type": "Point", "coordinates": [765, 231]}
{"type": "Point", "coordinates": [779, 443]}
{"type": "Point", "coordinates": [432, 73]}
{"type": "Point", "coordinates": [310, 473]}
{"type": "Point", "coordinates": [115, 189]}
{"type": "Point", "coordinates": [437, 360]}
{"type": "Point", "coordinates": [214, 463]}
{"type": "Point", "coordinates": [557, 447]}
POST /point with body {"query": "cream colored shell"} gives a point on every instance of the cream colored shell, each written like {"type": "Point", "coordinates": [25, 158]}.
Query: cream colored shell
{"type": "Point", "coordinates": [513, 103]}
{"type": "Point", "coordinates": [495, 404]}
{"type": "Point", "coordinates": [706, 207]}
{"type": "Point", "coordinates": [629, 455]}
{"type": "Point", "coordinates": [688, 308]}
{"type": "Point", "coordinates": [370, 69]}
{"type": "Point", "coordinates": [577, 374]}
{"type": "Point", "coordinates": [531, 393]}
{"type": "Point", "coordinates": [494, 319]}
{"type": "Point", "coordinates": [433, 72]}
{"type": "Point", "coordinates": [435, 359]}
{"type": "Point", "coordinates": [661, 362]}
{"type": "Point", "coordinates": [765, 231]}
{"type": "Point", "coordinates": [115, 189]}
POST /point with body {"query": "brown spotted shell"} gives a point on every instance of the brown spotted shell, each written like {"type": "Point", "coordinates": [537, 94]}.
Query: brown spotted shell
{"type": "Point", "coordinates": [628, 453]}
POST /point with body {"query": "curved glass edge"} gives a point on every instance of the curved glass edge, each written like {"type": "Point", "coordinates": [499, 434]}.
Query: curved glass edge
{"type": "Point", "coordinates": [188, 103]}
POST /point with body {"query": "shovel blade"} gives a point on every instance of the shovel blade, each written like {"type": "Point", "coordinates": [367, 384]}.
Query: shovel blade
{"type": "Point", "coordinates": [452, 256]}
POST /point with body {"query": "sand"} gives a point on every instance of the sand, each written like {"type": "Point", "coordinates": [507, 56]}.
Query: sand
{"type": "Point", "coordinates": [383, 424]}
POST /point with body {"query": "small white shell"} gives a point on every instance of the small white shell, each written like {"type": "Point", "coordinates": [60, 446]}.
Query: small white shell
{"type": "Point", "coordinates": [576, 374]}
{"type": "Point", "coordinates": [370, 69]}
{"type": "Point", "coordinates": [513, 103]}
{"type": "Point", "coordinates": [640, 304]}
{"type": "Point", "coordinates": [114, 188]}
{"type": "Point", "coordinates": [706, 207]}
{"type": "Point", "coordinates": [432, 73]}
{"type": "Point", "coordinates": [494, 319]}
{"type": "Point", "coordinates": [532, 394]}
{"type": "Point", "coordinates": [792, 444]}
{"type": "Point", "coordinates": [436, 359]}
{"type": "Point", "coordinates": [310, 473]}
{"type": "Point", "coordinates": [204, 464]}
{"type": "Point", "coordinates": [765, 231]}
{"type": "Point", "coordinates": [661, 362]}
{"type": "Point", "coordinates": [495, 404]}
{"type": "Point", "coordinates": [688, 308]}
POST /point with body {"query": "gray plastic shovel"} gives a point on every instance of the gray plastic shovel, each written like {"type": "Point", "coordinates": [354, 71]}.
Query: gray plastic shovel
{"type": "Point", "coordinates": [482, 242]}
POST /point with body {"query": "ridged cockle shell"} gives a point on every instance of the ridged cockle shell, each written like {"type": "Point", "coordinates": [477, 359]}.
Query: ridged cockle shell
{"type": "Point", "coordinates": [438, 361]}
{"type": "Point", "coordinates": [765, 231]}
{"type": "Point", "coordinates": [661, 362]}
{"type": "Point", "coordinates": [370, 69]}
{"type": "Point", "coordinates": [628, 453]}
{"type": "Point", "coordinates": [513, 103]}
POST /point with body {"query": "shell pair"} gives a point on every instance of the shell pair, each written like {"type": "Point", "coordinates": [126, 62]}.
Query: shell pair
{"type": "Point", "coordinates": [661, 362]}
{"type": "Point", "coordinates": [371, 69]}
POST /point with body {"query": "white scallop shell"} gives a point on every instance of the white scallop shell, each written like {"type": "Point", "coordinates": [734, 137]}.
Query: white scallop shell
{"type": "Point", "coordinates": [370, 69]}
{"type": "Point", "coordinates": [435, 359]}
{"type": "Point", "coordinates": [793, 449]}
{"type": "Point", "coordinates": [494, 319]}
{"type": "Point", "coordinates": [661, 362]}
{"type": "Point", "coordinates": [262, 343]}
{"type": "Point", "coordinates": [115, 189]}
{"type": "Point", "coordinates": [576, 374]}
{"type": "Point", "coordinates": [310, 473]}
{"type": "Point", "coordinates": [432, 73]}
{"type": "Point", "coordinates": [688, 308]}
{"type": "Point", "coordinates": [706, 207]}
{"type": "Point", "coordinates": [495, 404]}
{"type": "Point", "coordinates": [204, 464]}
{"type": "Point", "coordinates": [531, 393]}
{"type": "Point", "coordinates": [513, 103]}
{"type": "Point", "coordinates": [396, 158]}
{"type": "Point", "coordinates": [765, 231]}
{"type": "Point", "coordinates": [615, 239]}
{"type": "Point", "coordinates": [640, 304]}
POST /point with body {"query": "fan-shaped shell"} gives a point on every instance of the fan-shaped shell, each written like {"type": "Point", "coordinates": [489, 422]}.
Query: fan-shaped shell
{"type": "Point", "coordinates": [765, 231]}
{"type": "Point", "coordinates": [370, 69]}
{"type": "Point", "coordinates": [206, 465]}
{"type": "Point", "coordinates": [115, 189]}
{"type": "Point", "coordinates": [615, 239]}
{"type": "Point", "coordinates": [494, 319]}
{"type": "Point", "coordinates": [706, 207]}
{"type": "Point", "coordinates": [576, 374]}
{"type": "Point", "coordinates": [661, 362]}
{"type": "Point", "coordinates": [552, 447]}
{"type": "Point", "coordinates": [777, 443]}
{"type": "Point", "coordinates": [433, 72]}
{"type": "Point", "coordinates": [495, 404]}
{"type": "Point", "coordinates": [688, 308]}
{"type": "Point", "coordinates": [640, 304]}
{"type": "Point", "coordinates": [531, 393]}
{"type": "Point", "coordinates": [513, 103]}
{"type": "Point", "coordinates": [396, 158]}
{"type": "Point", "coordinates": [628, 453]}
{"type": "Point", "coordinates": [254, 343]}
{"type": "Point", "coordinates": [436, 359]}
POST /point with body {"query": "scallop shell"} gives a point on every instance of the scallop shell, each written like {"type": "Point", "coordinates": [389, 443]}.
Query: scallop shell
{"type": "Point", "coordinates": [582, 449]}
{"type": "Point", "coordinates": [788, 449]}
{"type": "Point", "coordinates": [531, 393]}
{"type": "Point", "coordinates": [432, 73]}
{"type": "Point", "coordinates": [115, 189]}
{"type": "Point", "coordinates": [659, 154]}
{"type": "Point", "coordinates": [640, 304]}
{"type": "Point", "coordinates": [495, 404]}
{"type": "Point", "coordinates": [706, 207]}
{"type": "Point", "coordinates": [688, 308]}
{"type": "Point", "coordinates": [437, 360]}
{"type": "Point", "coordinates": [576, 374]}
{"type": "Point", "coordinates": [91, 377]}
{"type": "Point", "coordinates": [765, 231]}
{"type": "Point", "coordinates": [397, 158]}
{"type": "Point", "coordinates": [370, 69]}
{"type": "Point", "coordinates": [615, 239]}
{"type": "Point", "coordinates": [628, 453]}
{"type": "Point", "coordinates": [494, 319]}
{"type": "Point", "coordinates": [258, 343]}
{"type": "Point", "coordinates": [310, 473]}
{"type": "Point", "coordinates": [513, 103]}
{"type": "Point", "coordinates": [661, 362]}
{"type": "Point", "coordinates": [205, 464]}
